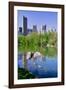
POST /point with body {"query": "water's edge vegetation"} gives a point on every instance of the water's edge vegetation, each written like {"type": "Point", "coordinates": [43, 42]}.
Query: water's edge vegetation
{"type": "Point", "coordinates": [38, 42]}
{"type": "Point", "coordinates": [23, 74]}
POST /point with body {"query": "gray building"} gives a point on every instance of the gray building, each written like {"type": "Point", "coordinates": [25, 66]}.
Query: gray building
{"type": "Point", "coordinates": [34, 28]}
{"type": "Point", "coordinates": [44, 28]}
{"type": "Point", "coordinates": [25, 31]}
{"type": "Point", "coordinates": [30, 31]}
{"type": "Point", "coordinates": [20, 30]}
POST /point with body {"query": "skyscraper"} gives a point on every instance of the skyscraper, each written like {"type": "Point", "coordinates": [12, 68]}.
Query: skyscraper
{"type": "Point", "coordinates": [44, 28]}
{"type": "Point", "coordinates": [25, 31]}
{"type": "Point", "coordinates": [34, 28]}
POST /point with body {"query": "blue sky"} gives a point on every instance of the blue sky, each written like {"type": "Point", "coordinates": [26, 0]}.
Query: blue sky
{"type": "Point", "coordinates": [38, 18]}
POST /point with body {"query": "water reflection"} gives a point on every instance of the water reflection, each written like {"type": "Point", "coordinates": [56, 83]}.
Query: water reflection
{"type": "Point", "coordinates": [40, 66]}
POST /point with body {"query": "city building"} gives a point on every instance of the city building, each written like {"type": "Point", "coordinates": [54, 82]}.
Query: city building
{"type": "Point", "coordinates": [20, 31]}
{"type": "Point", "coordinates": [44, 28]}
{"type": "Point", "coordinates": [30, 31]}
{"type": "Point", "coordinates": [34, 28]}
{"type": "Point", "coordinates": [25, 31]}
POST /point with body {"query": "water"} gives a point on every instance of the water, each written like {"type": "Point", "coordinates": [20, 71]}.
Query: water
{"type": "Point", "coordinates": [41, 67]}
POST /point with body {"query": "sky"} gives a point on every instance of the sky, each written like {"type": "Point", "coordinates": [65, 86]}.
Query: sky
{"type": "Point", "coordinates": [38, 18]}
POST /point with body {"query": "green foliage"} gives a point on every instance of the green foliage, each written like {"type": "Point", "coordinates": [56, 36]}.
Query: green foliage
{"type": "Point", "coordinates": [52, 38]}
{"type": "Point", "coordinates": [24, 74]}
{"type": "Point", "coordinates": [37, 42]}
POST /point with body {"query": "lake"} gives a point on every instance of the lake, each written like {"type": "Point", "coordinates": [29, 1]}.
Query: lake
{"type": "Point", "coordinates": [41, 67]}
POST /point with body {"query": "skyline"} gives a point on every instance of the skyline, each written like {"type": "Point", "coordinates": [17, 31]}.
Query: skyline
{"type": "Point", "coordinates": [38, 18]}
